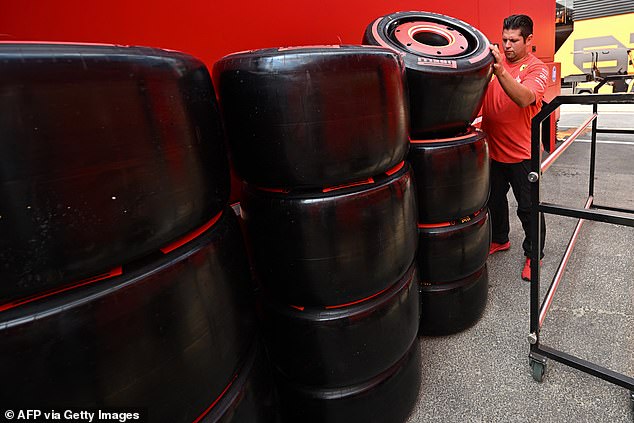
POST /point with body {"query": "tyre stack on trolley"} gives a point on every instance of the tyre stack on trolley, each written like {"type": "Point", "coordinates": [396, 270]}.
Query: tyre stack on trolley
{"type": "Point", "coordinates": [123, 274]}
{"type": "Point", "coordinates": [448, 66]}
{"type": "Point", "coordinates": [319, 136]}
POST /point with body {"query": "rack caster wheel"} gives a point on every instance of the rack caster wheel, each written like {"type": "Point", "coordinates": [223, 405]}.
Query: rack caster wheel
{"type": "Point", "coordinates": [537, 370]}
{"type": "Point", "coordinates": [538, 367]}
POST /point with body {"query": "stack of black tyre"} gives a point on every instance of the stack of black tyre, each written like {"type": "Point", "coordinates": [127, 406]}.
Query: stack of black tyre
{"type": "Point", "coordinates": [448, 68]}
{"type": "Point", "coordinates": [319, 137]}
{"type": "Point", "coordinates": [123, 273]}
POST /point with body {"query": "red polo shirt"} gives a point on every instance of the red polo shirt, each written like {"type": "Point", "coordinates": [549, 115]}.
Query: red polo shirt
{"type": "Point", "coordinates": [508, 125]}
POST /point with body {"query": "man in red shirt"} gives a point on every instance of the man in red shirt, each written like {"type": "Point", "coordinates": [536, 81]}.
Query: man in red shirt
{"type": "Point", "coordinates": [514, 96]}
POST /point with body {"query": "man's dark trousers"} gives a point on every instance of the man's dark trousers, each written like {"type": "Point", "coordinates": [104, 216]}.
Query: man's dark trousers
{"type": "Point", "coordinates": [514, 175]}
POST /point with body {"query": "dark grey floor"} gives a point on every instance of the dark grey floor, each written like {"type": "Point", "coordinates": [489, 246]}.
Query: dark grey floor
{"type": "Point", "coordinates": [482, 374]}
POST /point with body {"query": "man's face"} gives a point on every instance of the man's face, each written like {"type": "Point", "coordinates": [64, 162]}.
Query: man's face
{"type": "Point", "coordinates": [514, 45]}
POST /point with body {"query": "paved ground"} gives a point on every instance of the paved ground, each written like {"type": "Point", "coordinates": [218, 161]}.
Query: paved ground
{"type": "Point", "coordinates": [482, 374]}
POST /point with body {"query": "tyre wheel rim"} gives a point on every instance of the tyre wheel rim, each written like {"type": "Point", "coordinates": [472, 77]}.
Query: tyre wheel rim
{"type": "Point", "coordinates": [433, 39]}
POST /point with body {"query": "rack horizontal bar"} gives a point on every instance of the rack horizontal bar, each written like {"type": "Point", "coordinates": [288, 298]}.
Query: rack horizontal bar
{"type": "Point", "coordinates": [586, 366]}
{"type": "Point", "coordinates": [606, 216]}
{"type": "Point", "coordinates": [617, 209]}
{"type": "Point", "coordinates": [614, 131]}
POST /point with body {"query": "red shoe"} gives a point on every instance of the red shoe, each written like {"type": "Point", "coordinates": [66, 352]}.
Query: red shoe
{"type": "Point", "coordinates": [495, 247]}
{"type": "Point", "coordinates": [526, 271]}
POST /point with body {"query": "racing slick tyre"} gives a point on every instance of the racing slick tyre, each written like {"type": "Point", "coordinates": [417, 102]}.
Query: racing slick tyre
{"type": "Point", "coordinates": [385, 398]}
{"type": "Point", "coordinates": [335, 245]}
{"type": "Point", "coordinates": [453, 250]}
{"type": "Point", "coordinates": [347, 344]}
{"type": "Point", "coordinates": [450, 307]}
{"type": "Point", "coordinates": [108, 153]}
{"type": "Point", "coordinates": [448, 66]}
{"type": "Point", "coordinates": [313, 116]}
{"type": "Point", "coordinates": [451, 174]}
{"type": "Point", "coordinates": [166, 336]}
{"type": "Point", "coordinates": [249, 397]}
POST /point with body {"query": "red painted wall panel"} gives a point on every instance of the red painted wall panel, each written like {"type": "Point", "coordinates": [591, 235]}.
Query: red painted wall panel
{"type": "Point", "coordinates": [211, 29]}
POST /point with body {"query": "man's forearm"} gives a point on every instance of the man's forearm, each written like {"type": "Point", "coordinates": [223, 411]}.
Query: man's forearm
{"type": "Point", "coordinates": [520, 95]}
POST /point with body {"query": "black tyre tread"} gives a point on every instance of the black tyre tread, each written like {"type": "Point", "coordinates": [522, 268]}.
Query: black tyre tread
{"type": "Point", "coordinates": [166, 336]}
{"type": "Point", "coordinates": [251, 396]}
{"type": "Point", "coordinates": [108, 154]}
{"type": "Point", "coordinates": [445, 93]}
{"type": "Point", "coordinates": [325, 249]}
{"type": "Point", "coordinates": [386, 398]}
{"type": "Point", "coordinates": [449, 308]}
{"type": "Point", "coordinates": [344, 346]}
{"type": "Point", "coordinates": [313, 116]}
{"type": "Point", "coordinates": [452, 176]}
{"type": "Point", "coordinates": [453, 252]}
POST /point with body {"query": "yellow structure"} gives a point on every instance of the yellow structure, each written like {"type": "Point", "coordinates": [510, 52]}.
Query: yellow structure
{"type": "Point", "coordinates": [609, 37]}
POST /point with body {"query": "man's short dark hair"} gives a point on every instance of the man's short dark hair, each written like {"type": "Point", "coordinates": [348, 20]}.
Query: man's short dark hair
{"type": "Point", "coordinates": [521, 22]}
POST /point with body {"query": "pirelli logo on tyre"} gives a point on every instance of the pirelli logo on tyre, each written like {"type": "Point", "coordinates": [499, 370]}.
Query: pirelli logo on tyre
{"type": "Point", "coordinates": [424, 61]}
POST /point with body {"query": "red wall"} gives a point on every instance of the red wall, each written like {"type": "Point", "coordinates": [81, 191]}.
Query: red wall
{"type": "Point", "coordinates": [210, 29]}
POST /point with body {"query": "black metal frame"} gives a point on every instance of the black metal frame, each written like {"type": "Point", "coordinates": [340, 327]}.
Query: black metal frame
{"type": "Point", "coordinates": [608, 78]}
{"type": "Point", "coordinates": [539, 352]}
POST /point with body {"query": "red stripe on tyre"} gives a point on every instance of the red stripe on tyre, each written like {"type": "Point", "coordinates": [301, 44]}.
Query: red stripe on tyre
{"type": "Point", "coordinates": [344, 346]}
{"type": "Point", "coordinates": [452, 252]}
{"type": "Point", "coordinates": [250, 397]}
{"type": "Point", "coordinates": [323, 249]}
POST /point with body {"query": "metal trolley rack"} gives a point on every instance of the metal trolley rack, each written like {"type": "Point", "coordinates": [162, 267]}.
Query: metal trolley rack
{"type": "Point", "coordinates": [539, 353]}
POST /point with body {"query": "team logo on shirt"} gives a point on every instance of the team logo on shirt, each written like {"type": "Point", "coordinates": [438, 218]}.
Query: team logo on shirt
{"type": "Point", "coordinates": [523, 67]}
